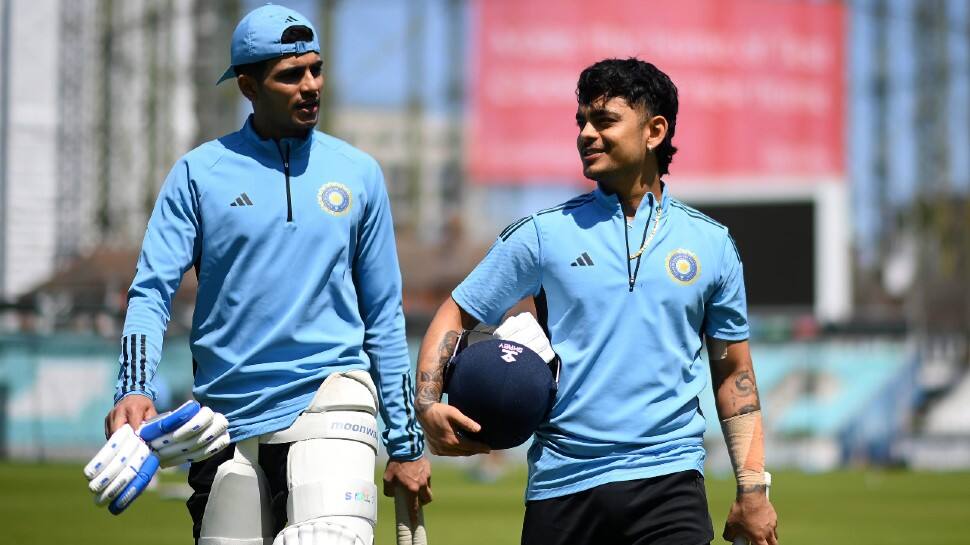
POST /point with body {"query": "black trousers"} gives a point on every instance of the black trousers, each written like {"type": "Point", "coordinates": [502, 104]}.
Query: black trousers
{"type": "Point", "coordinates": [666, 510]}
{"type": "Point", "coordinates": [272, 460]}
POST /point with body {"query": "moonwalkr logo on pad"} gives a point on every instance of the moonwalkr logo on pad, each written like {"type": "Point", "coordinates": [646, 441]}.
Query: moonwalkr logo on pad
{"type": "Point", "coordinates": [356, 428]}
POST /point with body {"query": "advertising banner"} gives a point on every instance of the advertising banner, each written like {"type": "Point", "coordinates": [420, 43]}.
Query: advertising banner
{"type": "Point", "coordinates": [761, 84]}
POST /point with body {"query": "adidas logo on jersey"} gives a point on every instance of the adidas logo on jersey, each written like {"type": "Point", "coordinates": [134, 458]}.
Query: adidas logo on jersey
{"type": "Point", "coordinates": [582, 261]}
{"type": "Point", "coordinates": [242, 200]}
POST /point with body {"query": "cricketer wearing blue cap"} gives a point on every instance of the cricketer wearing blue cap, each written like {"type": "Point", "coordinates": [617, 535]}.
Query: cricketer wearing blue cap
{"type": "Point", "coordinates": [627, 282]}
{"type": "Point", "coordinates": [289, 231]}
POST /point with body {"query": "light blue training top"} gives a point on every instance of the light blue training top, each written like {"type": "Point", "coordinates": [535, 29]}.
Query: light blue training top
{"type": "Point", "coordinates": [627, 406]}
{"type": "Point", "coordinates": [293, 245]}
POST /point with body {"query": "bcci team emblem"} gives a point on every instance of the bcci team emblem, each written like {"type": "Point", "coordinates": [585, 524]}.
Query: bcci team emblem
{"type": "Point", "coordinates": [682, 265]}
{"type": "Point", "coordinates": [335, 198]}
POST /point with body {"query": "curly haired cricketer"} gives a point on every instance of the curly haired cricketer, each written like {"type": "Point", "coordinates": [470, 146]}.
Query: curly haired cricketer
{"type": "Point", "coordinates": [628, 282]}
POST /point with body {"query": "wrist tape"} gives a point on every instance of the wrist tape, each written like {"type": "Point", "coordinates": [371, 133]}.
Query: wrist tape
{"type": "Point", "coordinates": [745, 440]}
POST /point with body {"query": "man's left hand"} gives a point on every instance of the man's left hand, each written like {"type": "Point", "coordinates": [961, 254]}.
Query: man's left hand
{"type": "Point", "coordinates": [414, 477]}
{"type": "Point", "coordinates": [752, 516]}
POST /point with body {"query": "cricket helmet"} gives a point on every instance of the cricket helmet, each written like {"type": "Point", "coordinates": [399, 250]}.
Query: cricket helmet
{"type": "Point", "coordinates": [505, 387]}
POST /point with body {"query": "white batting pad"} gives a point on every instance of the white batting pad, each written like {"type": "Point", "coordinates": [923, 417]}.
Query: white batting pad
{"type": "Point", "coordinates": [237, 512]}
{"type": "Point", "coordinates": [330, 473]}
{"type": "Point", "coordinates": [351, 391]}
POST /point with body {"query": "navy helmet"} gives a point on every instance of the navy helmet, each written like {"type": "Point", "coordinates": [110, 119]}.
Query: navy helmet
{"type": "Point", "coordinates": [505, 387]}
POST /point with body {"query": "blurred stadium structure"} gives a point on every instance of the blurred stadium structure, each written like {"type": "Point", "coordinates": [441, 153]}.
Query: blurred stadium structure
{"type": "Point", "coordinates": [825, 134]}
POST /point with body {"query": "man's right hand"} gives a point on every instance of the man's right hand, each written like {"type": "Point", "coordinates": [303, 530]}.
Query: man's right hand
{"type": "Point", "coordinates": [752, 519]}
{"type": "Point", "coordinates": [132, 410]}
{"type": "Point", "coordinates": [443, 425]}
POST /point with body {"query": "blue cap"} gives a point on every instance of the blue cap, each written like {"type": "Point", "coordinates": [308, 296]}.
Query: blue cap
{"type": "Point", "coordinates": [257, 37]}
{"type": "Point", "coordinates": [505, 387]}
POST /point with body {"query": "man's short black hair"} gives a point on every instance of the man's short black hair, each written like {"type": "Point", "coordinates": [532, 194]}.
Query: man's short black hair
{"type": "Point", "coordinates": [293, 34]}
{"type": "Point", "coordinates": [641, 84]}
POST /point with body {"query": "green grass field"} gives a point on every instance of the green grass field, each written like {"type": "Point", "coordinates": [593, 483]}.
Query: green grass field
{"type": "Point", "coordinates": [49, 504]}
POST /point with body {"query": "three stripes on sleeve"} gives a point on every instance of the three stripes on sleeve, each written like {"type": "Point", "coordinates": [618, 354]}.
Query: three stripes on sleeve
{"type": "Point", "coordinates": [132, 376]}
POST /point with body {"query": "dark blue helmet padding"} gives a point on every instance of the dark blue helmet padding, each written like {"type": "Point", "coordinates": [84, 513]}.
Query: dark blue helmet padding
{"type": "Point", "coordinates": [505, 387]}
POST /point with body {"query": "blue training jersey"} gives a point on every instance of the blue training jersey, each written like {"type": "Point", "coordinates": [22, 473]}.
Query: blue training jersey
{"type": "Point", "coordinates": [293, 245]}
{"type": "Point", "coordinates": [630, 339]}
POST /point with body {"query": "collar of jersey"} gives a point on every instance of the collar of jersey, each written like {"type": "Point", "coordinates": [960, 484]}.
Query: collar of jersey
{"type": "Point", "coordinates": [612, 203]}
{"type": "Point", "coordinates": [297, 146]}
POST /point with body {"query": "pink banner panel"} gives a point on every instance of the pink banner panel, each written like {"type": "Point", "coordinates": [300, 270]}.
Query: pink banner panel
{"type": "Point", "coordinates": [761, 84]}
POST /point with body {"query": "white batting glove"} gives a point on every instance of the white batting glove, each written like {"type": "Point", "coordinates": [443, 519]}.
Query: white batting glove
{"type": "Point", "coordinates": [525, 330]}
{"type": "Point", "coordinates": [201, 436]}
{"type": "Point", "coordinates": [124, 464]}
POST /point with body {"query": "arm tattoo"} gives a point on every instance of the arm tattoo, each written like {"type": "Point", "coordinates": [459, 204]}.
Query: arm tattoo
{"type": "Point", "coordinates": [752, 488]}
{"type": "Point", "coordinates": [431, 382]}
{"type": "Point", "coordinates": [743, 384]}
{"type": "Point", "coordinates": [745, 394]}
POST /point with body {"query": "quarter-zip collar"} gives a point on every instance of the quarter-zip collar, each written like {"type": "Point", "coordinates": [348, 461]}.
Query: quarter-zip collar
{"type": "Point", "coordinates": [298, 147]}
{"type": "Point", "coordinates": [646, 222]}
{"type": "Point", "coordinates": [291, 154]}
{"type": "Point", "coordinates": [611, 202]}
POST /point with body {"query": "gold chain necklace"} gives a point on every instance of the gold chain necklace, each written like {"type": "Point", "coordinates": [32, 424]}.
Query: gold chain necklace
{"type": "Point", "coordinates": [656, 223]}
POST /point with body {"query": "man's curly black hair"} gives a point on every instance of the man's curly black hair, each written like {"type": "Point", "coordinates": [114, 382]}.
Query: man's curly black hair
{"type": "Point", "coordinates": [641, 84]}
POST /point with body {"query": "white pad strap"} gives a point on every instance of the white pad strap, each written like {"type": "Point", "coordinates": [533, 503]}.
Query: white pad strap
{"type": "Point", "coordinates": [335, 496]}
{"type": "Point", "coordinates": [350, 425]}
